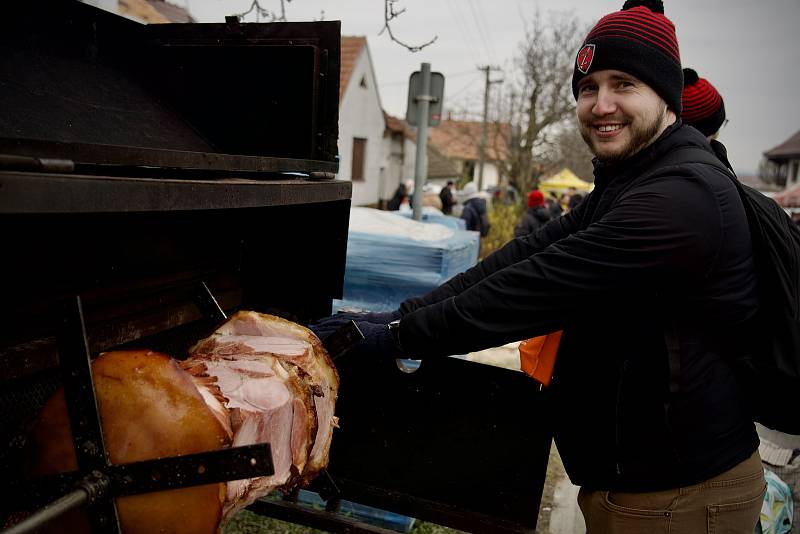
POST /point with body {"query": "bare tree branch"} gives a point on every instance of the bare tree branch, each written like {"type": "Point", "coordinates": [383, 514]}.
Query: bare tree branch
{"type": "Point", "coordinates": [389, 14]}
{"type": "Point", "coordinates": [542, 89]}
{"type": "Point", "coordinates": [269, 16]}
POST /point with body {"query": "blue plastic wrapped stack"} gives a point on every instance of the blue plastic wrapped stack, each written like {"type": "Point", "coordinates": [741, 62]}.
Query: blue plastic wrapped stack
{"type": "Point", "coordinates": [366, 514]}
{"type": "Point", "coordinates": [432, 215]}
{"type": "Point", "coordinates": [391, 257]}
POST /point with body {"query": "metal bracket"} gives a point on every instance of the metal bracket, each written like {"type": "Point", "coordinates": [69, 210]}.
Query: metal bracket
{"type": "Point", "coordinates": [87, 434]}
{"type": "Point", "coordinates": [96, 482]}
{"type": "Point", "coordinates": [156, 475]}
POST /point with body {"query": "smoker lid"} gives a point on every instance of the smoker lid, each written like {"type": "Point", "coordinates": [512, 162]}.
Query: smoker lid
{"type": "Point", "coordinates": [82, 84]}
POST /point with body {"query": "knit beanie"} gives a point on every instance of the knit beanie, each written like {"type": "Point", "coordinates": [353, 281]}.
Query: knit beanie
{"type": "Point", "coordinates": [535, 198]}
{"type": "Point", "coordinates": [638, 40]}
{"type": "Point", "coordinates": [703, 107]}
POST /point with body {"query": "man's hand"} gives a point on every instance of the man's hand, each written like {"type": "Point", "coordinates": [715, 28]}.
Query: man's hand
{"type": "Point", "coordinates": [325, 327]}
{"type": "Point", "coordinates": [378, 341]}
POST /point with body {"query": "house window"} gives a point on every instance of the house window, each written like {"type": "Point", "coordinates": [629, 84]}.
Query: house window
{"type": "Point", "coordinates": [359, 148]}
{"type": "Point", "coordinates": [468, 171]}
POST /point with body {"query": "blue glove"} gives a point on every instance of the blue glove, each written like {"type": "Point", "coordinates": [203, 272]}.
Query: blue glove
{"type": "Point", "coordinates": [327, 326]}
{"type": "Point", "coordinates": [378, 341]}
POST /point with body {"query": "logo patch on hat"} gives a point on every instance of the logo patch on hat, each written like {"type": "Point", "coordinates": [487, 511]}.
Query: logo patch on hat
{"type": "Point", "coordinates": [585, 57]}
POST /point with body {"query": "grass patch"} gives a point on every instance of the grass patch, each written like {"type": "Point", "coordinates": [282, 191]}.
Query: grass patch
{"type": "Point", "coordinates": [246, 522]}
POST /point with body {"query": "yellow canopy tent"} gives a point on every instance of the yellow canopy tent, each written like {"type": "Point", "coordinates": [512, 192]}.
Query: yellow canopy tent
{"type": "Point", "coordinates": [562, 181]}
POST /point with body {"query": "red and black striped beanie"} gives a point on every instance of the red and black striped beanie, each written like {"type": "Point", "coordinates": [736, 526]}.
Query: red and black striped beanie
{"type": "Point", "coordinates": [703, 107]}
{"type": "Point", "coordinates": [640, 41]}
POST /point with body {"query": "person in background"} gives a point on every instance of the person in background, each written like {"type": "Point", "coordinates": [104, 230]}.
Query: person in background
{"type": "Point", "coordinates": [652, 281]}
{"type": "Point", "coordinates": [555, 208]}
{"type": "Point", "coordinates": [574, 201]}
{"type": "Point", "coordinates": [446, 196]}
{"type": "Point", "coordinates": [400, 196]}
{"type": "Point", "coordinates": [535, 216]}
{"type": "Point", "coordinates": [704, 110]}
{"type": "Point", "coordinates": [475, 215]}
{"type": "Point", "coordinates": [563, 200]}
{"type": "Point", "coordinates": [703, 107]}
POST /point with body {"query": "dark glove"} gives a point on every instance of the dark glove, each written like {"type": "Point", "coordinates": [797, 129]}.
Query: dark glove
{"type": "Point", "coordinates": [328, 325]}
{"type": "Point", "coordinates": [378, 341]}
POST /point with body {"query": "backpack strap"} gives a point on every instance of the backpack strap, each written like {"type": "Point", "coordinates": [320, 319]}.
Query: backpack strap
{"type": "Point", "coordinates": [685, 155]}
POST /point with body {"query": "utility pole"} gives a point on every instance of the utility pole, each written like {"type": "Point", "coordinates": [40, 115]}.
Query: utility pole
{"type": "Point", "coordinates": [482, 149]}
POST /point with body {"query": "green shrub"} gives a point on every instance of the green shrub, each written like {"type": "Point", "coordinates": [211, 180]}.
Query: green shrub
{"type": "Point", "coordinates": [503, 218]}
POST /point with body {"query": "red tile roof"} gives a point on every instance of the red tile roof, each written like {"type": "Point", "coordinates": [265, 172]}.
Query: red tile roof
{"type": "Point", "coordinates": [397, 125]}
{"type": "Point", "coordinates": [351, 50]}
{"type": "Point", "coordinates": [154, 11]}
{"type": "Point", "coordinates": [142, 10]}
{"type": "Point", "coordinates": [172, 12]}
{"type": "Point", "coordinates": [461, 140]}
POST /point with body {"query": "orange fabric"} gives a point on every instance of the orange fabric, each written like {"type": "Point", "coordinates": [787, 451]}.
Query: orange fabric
{"type": "Point", "coordinates": [537, 356]}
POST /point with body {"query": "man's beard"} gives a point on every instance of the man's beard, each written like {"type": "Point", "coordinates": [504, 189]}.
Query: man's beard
{"type": "Point", "coordinates": [641, 136]}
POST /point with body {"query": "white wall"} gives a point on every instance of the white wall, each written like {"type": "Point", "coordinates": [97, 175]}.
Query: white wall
{"type": "Point", "coordinates": [392, 173]}
{"type": "Point", "coordinates": [410, 148]}
{"type": "Point", "coordinates": [491, 175]}
{"type": "Point", "coordinates": [361, 115]}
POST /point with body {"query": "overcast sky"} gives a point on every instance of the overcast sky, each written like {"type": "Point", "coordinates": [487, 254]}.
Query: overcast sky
{"type": "Point", "coordinates": [748, 49]}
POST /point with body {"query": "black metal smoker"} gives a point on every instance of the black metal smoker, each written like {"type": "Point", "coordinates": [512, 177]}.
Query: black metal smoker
{"type": "Point", "coordinates": [152, 176]}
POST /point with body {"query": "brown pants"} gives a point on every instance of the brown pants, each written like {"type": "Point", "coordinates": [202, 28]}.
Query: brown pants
{"type": "Point", "coordinates": [726, 504]}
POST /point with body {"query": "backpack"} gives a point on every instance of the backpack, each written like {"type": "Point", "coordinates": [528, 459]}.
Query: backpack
{"type": "Point", "coordinates": [470, 212]}
{"type": "Point", "coordinates": [770, 375]}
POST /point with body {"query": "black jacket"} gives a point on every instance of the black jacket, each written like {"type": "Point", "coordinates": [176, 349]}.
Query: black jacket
{"type": "Point", "coordinates": [672, 252]}
{"type": "Point", "coordinates": [475, 215]}
{"type": "Point", "coordinates": [532, 220]}
{"type": "Point", "coordinates": [446, 196]}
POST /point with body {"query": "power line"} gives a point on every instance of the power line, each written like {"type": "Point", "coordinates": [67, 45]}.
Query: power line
{"type": "Point", "coordinates": [479, 27]}
{"type": "Point", "coordinates": [463, 28]}
{"type": "Point", "coordinates": [484, 19]}
{"type": "Point", "coordinates": [464, 88]}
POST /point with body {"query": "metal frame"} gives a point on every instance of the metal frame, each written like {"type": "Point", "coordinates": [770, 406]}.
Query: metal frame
{"type": "Point", "coordinates": [97, 482]}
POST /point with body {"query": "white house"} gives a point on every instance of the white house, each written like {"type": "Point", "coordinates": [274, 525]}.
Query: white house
{"type": "Point", "coordinates": [459, 141]}
{"type": "Point", "coordinates": [362, 147]}
{"type": "Point", "coordinates": [781, 165]}
{"type": "Point", "coordinates": [400, 150]}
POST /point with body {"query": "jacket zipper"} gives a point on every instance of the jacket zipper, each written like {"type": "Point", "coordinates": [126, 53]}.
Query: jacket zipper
{"type": "Point", "coordinates": [618, 417]}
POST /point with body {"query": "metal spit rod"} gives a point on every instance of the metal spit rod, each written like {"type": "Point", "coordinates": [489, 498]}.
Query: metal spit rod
{"type": "Point", "coordinates": [86, 492]}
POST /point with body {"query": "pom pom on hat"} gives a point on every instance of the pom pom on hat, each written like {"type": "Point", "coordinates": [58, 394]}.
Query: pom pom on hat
{"type": "Point", "coordinates": [690, 77]}
{"type": "Point", "coordinates": [656, 6]}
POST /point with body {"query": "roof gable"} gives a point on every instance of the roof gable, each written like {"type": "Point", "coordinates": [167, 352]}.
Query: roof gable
{"type": "Point", "coordinates": [350, 52]}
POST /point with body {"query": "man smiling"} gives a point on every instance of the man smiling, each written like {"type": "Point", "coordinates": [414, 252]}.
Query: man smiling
{"type": "Point", "coordinates": [619, 114]}
{"type": "Point", "coordinates": [652, 282]}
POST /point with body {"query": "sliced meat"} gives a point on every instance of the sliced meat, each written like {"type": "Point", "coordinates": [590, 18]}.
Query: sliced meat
{"type": "Point", "coordinates": [246, 333]}
{"type": "Point", "coordinates": [269, 402]}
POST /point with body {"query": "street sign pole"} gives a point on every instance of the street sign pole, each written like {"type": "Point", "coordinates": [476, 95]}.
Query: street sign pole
{"type": "Point", "coordinates": [421, 163]}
